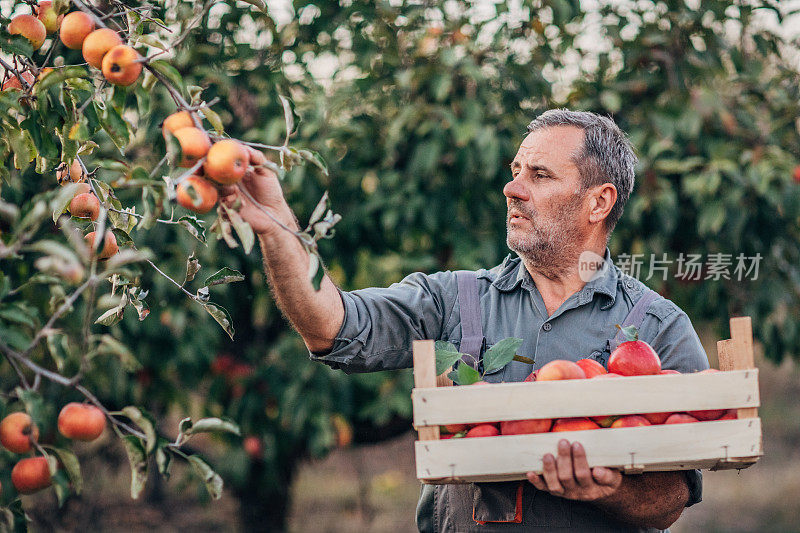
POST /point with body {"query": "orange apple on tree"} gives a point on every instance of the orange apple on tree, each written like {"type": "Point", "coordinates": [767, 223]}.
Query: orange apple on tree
{"type": "Point", "coordinates": [31, 475]}
{"type": "Point", "coordinates": [81, 421]}
{"type": "Point", "coordinates": [29, 27]}
{"type": "Point", "coordinates": [75, 27]}
{"type": "Point", "coordinates": [17, 431]}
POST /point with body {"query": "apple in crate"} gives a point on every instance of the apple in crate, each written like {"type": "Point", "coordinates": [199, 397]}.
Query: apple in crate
{"type": "Point", "coordinates": [630, 421]}
{"type": "Point", "coordinates": [680, 418]}
{"type": "Point", "coordinates": [591, 367]}
{"type": "Point", "coordinates": [634, 357]}
{"type": "Point", "coordinates": [524, 427]}
{"type": "Point", "coordinates": [573, 424]}
{"type": "Point", "coordinates": [558, 370]}
{"type": "Point", "coordinates": [483, 430]}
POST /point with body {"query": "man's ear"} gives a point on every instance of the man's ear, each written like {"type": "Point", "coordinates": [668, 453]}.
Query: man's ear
{"type": "Point", "coordinates": [602, 199]}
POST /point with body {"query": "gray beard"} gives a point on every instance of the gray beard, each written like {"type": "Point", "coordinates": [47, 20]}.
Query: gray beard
{"type": "Point", "coordinates": [553, 246]}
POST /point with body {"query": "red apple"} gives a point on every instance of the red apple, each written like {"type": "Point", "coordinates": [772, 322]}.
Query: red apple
{"type": "Point", "coordinates": [604, 421]}
{"type": "Point", "coordinates": [634, 357]}
{"type": "Point", "coordinates": [531, 376]}
{"type": "Point", "coordinates": [680, 418]}
{"type": "Point", "coordinates": [630, 421]}
{"type": "Point", "coordinates": [796, 174]}
{"type": "Point", "coordinates": [455, 428]}
{"type": "Point", "coordinates": [609, 375]}
{"type": "Point", "coordinates": [483, 430]}
{"type": "Point", "coordinates": [591, 367]}
{"type": "Point", "coordinates": [669, 371]}
{"type": "Point", "coordinates": [730, 414]}
{"type": "Point", "coordinates": [560, 369]}
{"type": "Point", "coordinates": [657, 418]}
{"type": "Point", "coordinates": [708, 414]}
{"type": "Point", "coordinates": [573, 424]}
{"type": "Point", "coordinates": [523, 427]}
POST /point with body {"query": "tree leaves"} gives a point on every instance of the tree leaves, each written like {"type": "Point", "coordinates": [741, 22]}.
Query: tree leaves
{"type": "Point", "coordinates": [211, 479]}
{"type": "Point", "coordinates": [138, 461]}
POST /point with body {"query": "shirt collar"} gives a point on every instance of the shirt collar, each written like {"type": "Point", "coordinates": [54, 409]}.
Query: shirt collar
{"type": "Point", "coordinates": [511, 273]}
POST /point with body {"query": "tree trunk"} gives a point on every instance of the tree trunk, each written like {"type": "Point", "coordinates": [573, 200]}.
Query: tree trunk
{"type": "Point", "coordinates": [264, 500]}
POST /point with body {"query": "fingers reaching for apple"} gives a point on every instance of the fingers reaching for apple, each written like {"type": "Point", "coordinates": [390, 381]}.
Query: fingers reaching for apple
{"type": "Point", "coordinates": [569, 476]}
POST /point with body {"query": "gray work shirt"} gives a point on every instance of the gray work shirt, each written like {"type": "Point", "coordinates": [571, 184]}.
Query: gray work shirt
{"type": "Point", "coordinates": [380, 325]}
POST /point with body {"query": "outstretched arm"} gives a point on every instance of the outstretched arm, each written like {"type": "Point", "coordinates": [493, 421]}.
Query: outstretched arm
{"type": "Point", "coordinates": [317, 316]}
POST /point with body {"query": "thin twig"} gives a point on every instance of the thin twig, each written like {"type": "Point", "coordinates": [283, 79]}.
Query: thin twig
{"type": "Point", "coordinates": [60, 311]}
{"type": "Point", "coordinates": [16, 73]}
{"type": "Point", "coordinates": [181, 287]}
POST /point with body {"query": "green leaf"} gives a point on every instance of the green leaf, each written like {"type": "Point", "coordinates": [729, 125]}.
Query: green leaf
{"type": "Point", "coordinates": [71, 465]}
{"type": "Point", "coordinates": [163, 460]}
{"type": "Point", "coordinates": [138, 461]}
{"type": "Point", "coordinates": [288, 114]}
{"type": "Point", "coordinates": [315, 270]}
{"type": "Point", "coordinates": [464, 375]}
{"type": "Point", "coordinates": [213, 119]}
{"type": "Point", "coordinates": [34, 404]}
{"type": "Point", "coordinates": [57, 77]}
{"type": "Point", "coordinates": [168, 71]}
{"type": "Point", "coordinates": [211, 479]}
{"type": "Point", "coordinates": [446, 356]}
{"type": "Point", "coordinates": [631, 333]}
{"type": "Point", "coordinates": [243, 229]}
{"type": "Point", "coordinates": [108, 345]}
{"type": "Point", "coordinates": [213, 425]}
{"type": "Point", "coordinates": [114, 125]}
{"type": "Point", "coordinates": [144, 422]}
{"type": "Point", "coordinates": [194, 227]}
{"type": "Point", "coordinates": [224, 275]}
{"type": "Point", "coordinates": [315, 159]}
{"type": "Point", "coordinates": [58, 346]}
{"type": "Point", "coordinates": [500, 354]}
{"type": "Point", "coordinates": [222, 317]}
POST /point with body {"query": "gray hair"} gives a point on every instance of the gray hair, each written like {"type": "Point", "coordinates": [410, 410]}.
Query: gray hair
{"type": "Point", "coordinates": [607, 155]}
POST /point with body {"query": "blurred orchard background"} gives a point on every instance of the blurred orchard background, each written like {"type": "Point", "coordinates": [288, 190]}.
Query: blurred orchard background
{"type": "Point", "coordinates": [418, 108]}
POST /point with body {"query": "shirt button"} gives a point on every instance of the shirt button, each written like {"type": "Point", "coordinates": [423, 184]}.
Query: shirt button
{"type": "Point", "coordinates": [547, 326]}
{"type": "Point", "coordinates": [629, 284]}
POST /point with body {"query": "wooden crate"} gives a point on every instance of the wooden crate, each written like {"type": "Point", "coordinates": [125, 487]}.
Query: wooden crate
{"type": "Point", "coordinates": [723, 444]}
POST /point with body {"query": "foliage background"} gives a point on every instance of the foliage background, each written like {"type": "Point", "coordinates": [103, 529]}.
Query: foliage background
{"type": "Point", "coordinates": [418, 127]}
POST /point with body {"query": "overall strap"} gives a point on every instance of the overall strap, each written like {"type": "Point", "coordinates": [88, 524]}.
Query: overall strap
{"type": "Point", "coordinates": [470, 309]}
{"type": "Point", "coordinates": [635, 316]}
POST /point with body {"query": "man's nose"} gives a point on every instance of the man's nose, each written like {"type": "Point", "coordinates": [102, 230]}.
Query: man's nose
{"type": "Point", "coordinates": [515, 189]}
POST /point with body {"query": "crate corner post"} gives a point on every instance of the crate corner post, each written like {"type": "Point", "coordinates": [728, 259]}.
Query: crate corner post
{"type": "Point", "coordinates": [425, 377]}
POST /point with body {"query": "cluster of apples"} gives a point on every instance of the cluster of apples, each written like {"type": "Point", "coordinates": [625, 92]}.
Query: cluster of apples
{"type": "Point", "coordinates": [85, 204]}
{"type": "Point", "coordinates": [226, 161]}
{"type": "Point", "coordinates": [18, 433]}
{"type": "Point", "coordinates": [102, 48]}
{"type": "Point", "coordinates": [631, 358]}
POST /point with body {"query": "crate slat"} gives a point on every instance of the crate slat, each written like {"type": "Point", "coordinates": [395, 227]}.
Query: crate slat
{"type": "Point", "coordinates": [718, 445]}
{"type": "Point", "coordinates": [585, 397]}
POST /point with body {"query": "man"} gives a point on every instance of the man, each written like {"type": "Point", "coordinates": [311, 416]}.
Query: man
{"type": "Point", "coordinates": [570, 180]}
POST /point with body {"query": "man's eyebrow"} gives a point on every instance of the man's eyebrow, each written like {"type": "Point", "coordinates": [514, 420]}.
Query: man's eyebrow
{"type": "Point", "coordinates": [535, 168]}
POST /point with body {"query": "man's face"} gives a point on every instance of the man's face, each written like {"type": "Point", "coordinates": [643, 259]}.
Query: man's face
{"type": "Point", "coordinates": [544, 199]}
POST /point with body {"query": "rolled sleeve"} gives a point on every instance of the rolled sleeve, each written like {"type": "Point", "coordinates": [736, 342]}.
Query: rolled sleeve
{"type": "Point", "coordinates": [380, 324]}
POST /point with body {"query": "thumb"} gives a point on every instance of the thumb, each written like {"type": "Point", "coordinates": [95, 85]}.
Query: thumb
{"type": "Point", "coordinates": [604, 476]}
